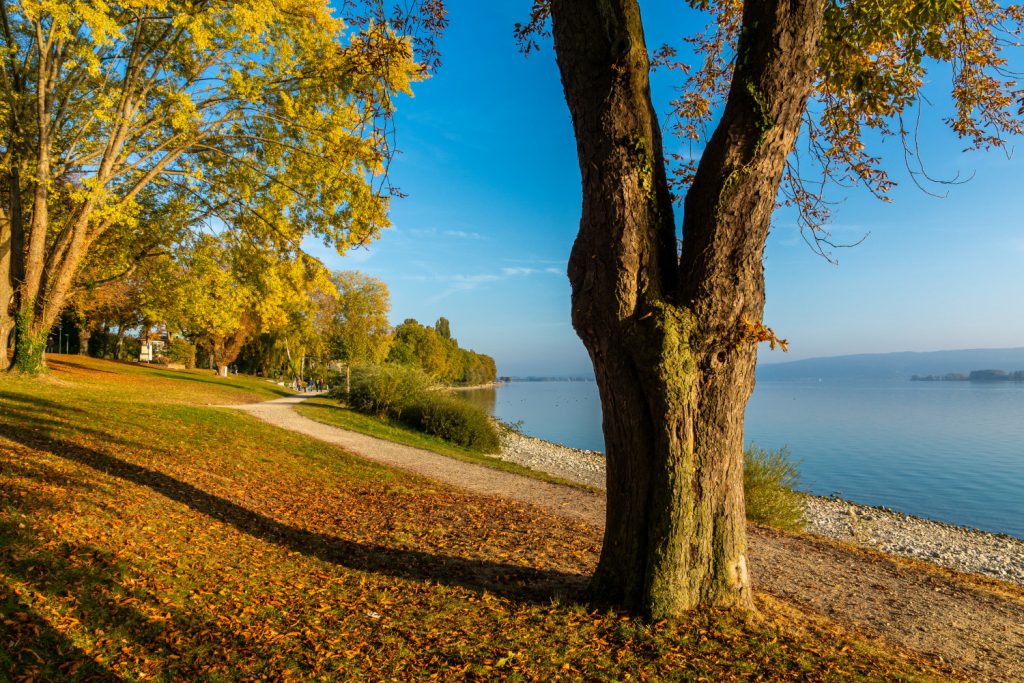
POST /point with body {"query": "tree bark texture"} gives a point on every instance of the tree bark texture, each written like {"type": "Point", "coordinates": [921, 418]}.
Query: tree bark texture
{"type": "Point", "coordinates": [6, 288]}
{"type": "Point", "coordinates": [6, 281]}
{"type": "Point", "coordinates": [664, 332]}
{"type": "Point", "coordinates": [11, 248]}
{"type": "Point", "coordinates": [84, 335]}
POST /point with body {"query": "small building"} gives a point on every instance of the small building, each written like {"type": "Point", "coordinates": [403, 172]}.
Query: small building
{"type": "Point", "coordinates": [152, 346]}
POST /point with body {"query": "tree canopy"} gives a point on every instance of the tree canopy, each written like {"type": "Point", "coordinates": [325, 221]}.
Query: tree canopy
{"type": "Point", "coordinates": [268, 116]}
{"type": "Point", "coordinates": [353, 320]}
{"type": "Point", "coordinates": [436, 352]}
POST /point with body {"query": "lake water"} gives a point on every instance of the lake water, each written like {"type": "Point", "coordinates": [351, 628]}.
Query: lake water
{"type": "Point", "coordinates": [951, 451]}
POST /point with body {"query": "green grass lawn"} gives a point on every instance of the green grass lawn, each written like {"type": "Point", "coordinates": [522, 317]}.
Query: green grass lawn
{"type": "Point", "coordinates": [332, 412]}
{"type": "Point", "coordinates": [145, 535]}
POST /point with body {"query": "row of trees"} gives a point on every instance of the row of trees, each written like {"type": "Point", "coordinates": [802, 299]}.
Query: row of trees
{"type": "Point", "coordinates": [265, 313]}
{"type": "Point", "coordinates": [219, 291]}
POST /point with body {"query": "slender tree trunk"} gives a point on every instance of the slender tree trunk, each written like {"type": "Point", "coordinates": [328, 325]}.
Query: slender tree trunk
{"type": "Point", "coordinates": [30, 326]}
{"type": "Point", "coordinates": [6, 285]}
{"type": "Point", "coordinates": [29, 338]}
{"type": "Point", "coordinates": [104, 344]}
{"type": "Point", "coordinates": [666, 335]}
{"type": "Point", "coordinates": [119, 347]}
{"type": "Point", "coordinates": [12, 246]}
{"type": "Point", "coordinates": [84, 334]}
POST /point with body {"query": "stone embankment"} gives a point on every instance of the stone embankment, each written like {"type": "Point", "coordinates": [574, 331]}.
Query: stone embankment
{"type": "Point", "coordinates": [958, 548]}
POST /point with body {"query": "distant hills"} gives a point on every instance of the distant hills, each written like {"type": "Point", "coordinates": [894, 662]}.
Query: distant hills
{"type": "Point", "coordinates": [892, 366]}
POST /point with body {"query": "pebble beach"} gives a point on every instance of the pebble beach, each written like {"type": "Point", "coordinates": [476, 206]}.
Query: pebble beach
{"type": "Point", "coordinates": [967, 550]}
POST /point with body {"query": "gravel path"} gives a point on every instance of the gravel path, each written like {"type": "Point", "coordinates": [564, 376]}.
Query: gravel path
{"type": "Point", "coordinates": [977, 628]}
{"type": "Point", "coordinates": [559, 499]}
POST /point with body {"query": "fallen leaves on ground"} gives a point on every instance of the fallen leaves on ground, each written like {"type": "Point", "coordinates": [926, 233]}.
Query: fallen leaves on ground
{"type": "Point", "coordinates": [143, 536]}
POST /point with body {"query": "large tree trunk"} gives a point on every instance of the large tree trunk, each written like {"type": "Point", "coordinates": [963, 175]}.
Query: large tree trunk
{"type": "Point", "coordinates": [667, 335]}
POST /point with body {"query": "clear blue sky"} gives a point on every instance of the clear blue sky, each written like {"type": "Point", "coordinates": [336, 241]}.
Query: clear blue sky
{"type": "Point", "coordinates": [489, 164]}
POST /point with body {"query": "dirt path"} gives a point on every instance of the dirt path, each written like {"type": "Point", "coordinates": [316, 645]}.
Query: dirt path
{"type": "Point", "coordinates": [978, 630]}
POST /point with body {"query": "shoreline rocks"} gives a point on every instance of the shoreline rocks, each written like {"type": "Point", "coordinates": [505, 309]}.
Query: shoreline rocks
{"type": "Point", "coordinates": [967, 550]}
{"type": "Point", "coordinates": [583, 467]}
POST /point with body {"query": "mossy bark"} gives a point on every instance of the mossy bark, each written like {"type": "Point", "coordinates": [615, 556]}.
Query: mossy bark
{"type": "Point", "coordinates": [7, 264]}
{"type": "Point", "coordinates": [664, 329]}
{"type": "Point", "coordinates": [6, 301]}
{"type": "Point", "coordinates": [29, 345]}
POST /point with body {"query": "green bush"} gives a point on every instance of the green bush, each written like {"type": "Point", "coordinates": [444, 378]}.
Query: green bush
{"type": "Point", "coordinates": [403, 394]}
{"type": "Point", "coordinates": [182, 351]}
{"type": "Point", "coordinates": [453, 420]}
{"type": "Point", "coordinates": [769, 482]}
{"type": "Point", "coordinates": [383, 390]}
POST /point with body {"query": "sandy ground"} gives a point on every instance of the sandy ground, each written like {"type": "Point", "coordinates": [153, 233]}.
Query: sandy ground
{"type": "Point", "coordinates": [975, 625]}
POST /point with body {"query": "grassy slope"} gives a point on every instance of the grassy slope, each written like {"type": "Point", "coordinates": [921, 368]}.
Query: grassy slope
{"type": "Point", "coordinates": [146, 535]}
{"type": "Point", "coordinates": [334, 413]}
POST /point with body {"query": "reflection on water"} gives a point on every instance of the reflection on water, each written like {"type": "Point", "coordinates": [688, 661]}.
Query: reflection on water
{"type": "Point", "coordinates": [485, 399]}
{"type": "Point", "coordinates": [563, 412]}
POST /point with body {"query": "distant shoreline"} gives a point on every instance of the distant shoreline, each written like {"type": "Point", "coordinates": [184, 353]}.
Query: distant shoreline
{"type": "Point", "coordinates": [974, 376]}
{"type": "Point", "coordinates": [472, 387]}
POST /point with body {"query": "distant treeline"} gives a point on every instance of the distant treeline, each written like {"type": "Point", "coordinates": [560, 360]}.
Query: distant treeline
{"type": "Point", "coordinates": [974, 376]}
{"type": "Point", "coordinates": [436, 352]}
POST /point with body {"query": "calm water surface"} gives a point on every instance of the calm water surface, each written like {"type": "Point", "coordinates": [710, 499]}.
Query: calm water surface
{"type": "Point", "coordinates": [952, 451]}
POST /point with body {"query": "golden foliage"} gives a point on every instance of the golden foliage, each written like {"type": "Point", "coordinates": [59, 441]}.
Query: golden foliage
{"type": "Point", "coordinates": [756, 333]}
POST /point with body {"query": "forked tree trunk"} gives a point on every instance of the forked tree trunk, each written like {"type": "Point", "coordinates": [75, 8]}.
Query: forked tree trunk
{"type": "Point", "coordinates": [666, 333]}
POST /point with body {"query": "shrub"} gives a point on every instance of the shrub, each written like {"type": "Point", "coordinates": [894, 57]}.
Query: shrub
{"type": "Point", "coordinates": [383, 390]}
{"type": "Point", "coordinates": [769, 482]}
{"type": "Point", "coordinates": [403, 394]}
{"type": "Point", "coordinates": [182, 351]}
{"type": "Point", "coordinates": [453, 420]}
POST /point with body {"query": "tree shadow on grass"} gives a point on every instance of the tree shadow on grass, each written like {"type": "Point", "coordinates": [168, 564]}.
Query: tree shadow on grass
{"type": "Point", "coordinates": [64, 364]}
{"type": "Point", "coordinates": [22, 414]}
{"type": "Point", "coordinates": [91, 593]}
{"type": "Point", "coordinates": [162, 373]}
{"type": "Point", "coordinates": [512, 581]}
{"type": "Point", "coordinates": [220, 382]}
{"type": "Point", "coordinates": [34, 650]}
{"type": "Point", "coordinates": [32, 647]}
